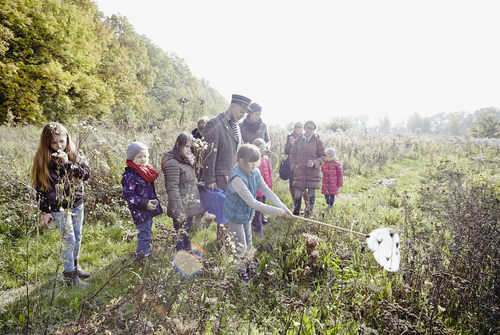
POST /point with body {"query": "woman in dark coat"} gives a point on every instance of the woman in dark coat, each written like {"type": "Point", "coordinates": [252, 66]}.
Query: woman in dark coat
{"type": "Point", "coordinates": [181, 186]}
{"type": "Point", "coordinates": [306, 157]}
{"type": "Point", "coordinates": [298, 130]}
{"type": "Point", "coordinates": [252, 127]}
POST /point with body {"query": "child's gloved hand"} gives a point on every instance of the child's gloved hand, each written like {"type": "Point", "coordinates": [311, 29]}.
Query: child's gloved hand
{"type": "Point", "coordinates": [152, 204]}
{"type": "Point", "coordinates": [47, 218]}
{"type": "Point", "coordinates": [310, 163]}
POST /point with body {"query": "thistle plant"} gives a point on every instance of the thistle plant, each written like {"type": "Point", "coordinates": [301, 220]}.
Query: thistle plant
{"type": "Point", "coordinates": [201, 150]}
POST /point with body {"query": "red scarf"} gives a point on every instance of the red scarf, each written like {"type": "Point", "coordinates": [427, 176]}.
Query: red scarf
{"type": "Point", "coordinates": [145, 171]}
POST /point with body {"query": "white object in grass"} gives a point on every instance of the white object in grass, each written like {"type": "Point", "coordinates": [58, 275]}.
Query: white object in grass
{"type": "Point", "coordinates": [384, 244]}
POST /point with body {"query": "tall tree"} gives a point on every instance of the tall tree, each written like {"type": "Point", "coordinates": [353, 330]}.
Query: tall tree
{"type": "Point", "coordinates": [384, 125]}
{"type": "Point", "coordinates": [49, 62]}
{"type": "Point", "coordinates": [488, 126]}
{"type": "Point", "coordinates": [340, 123]}
{"type": "Point", "coordinates": [419, 125]}
{"type": "Point", "coordinates": [63, 60]}
{"type": "Point", "coordinates": [455, 124]}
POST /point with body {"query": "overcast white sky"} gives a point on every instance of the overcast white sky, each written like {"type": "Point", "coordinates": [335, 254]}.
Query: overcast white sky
{"type": "Point", "coordinates": [321, 59]}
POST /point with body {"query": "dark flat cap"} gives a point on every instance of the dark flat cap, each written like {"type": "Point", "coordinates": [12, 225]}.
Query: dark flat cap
{"type": "Point", "coordinates": [241, 100]}
{"type": "Point", "coordinates": [255, 107]}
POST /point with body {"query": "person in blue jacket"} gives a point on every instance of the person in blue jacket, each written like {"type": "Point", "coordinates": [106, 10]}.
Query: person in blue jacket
{"type": "Point", "coordinates": [241, 203]}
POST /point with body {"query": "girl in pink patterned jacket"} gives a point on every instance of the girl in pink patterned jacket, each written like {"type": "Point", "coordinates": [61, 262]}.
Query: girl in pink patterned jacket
{"type": "Point", "coordinates": [333, 177]}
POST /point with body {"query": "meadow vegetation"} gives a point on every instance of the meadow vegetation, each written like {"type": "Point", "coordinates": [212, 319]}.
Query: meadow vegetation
{"type": "Point", "coordinates": [442, 194]}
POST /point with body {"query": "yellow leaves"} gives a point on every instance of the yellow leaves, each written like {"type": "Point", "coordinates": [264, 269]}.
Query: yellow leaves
{"type": "Point", "coordinates": [58, 78]}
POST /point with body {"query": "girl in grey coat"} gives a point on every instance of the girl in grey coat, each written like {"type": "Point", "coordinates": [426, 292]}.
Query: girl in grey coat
{"type": "Point", "coordinates": [182, 191]}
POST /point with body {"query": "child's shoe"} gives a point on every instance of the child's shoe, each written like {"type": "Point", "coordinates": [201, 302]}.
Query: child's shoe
{"type": "Point", "coordinates": [257, 228]}
{"type": "Point", "coordinates": [71, 278]}
{"type": "Point", "coordinates": [252, 270]}
{"type": "Point", "coordinates": [141, 258]}
{"type": "Point", "coordinates": [81, 273]}
{"type": "Point", "coordinates": [244, 275]}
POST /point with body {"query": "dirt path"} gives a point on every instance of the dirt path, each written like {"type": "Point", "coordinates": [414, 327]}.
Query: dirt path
{"type": "Point", "coordinates": [9, 296]}
{"type": "Point", "coordinates": [355, 196]}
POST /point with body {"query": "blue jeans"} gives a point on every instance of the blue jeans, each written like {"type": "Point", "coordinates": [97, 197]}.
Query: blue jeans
{"type": "Point", "coordinates": [330, 199]}
{"type": "Point", "coordinates": [144, 235]}
{"type": "Point", "coordinates": [69, 222]}
{"type": "Point", "coordinates": [183, 243]}
{"type": "Point", "coordinates": [297, 199]}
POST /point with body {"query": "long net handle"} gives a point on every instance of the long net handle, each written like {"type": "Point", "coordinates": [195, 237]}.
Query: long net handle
{"type": "Point", "coordinates": [331, 226]}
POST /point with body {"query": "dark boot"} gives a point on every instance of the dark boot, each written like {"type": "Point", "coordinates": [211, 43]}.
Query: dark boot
{"type": "Point", "coordinates": [244, 275]}
{"type": "Point", "coordinates": [81, 273]}
{"type": "Point", "coordinates": [252, 270]}
{"type": "Point", "coordinates": [296, 207]}
{"type": "Point", "coordinates": [307, 212]}
{"type": "Point", "coordinates": [257, 224]}
{"type": "Point", "coordinates": [72, 279]}
{"type": "Point", "coordinates": [259, 231]}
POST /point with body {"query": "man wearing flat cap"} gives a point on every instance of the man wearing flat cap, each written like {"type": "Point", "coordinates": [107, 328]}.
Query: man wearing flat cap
{"type": "Point", "coordinates": [223, 136]}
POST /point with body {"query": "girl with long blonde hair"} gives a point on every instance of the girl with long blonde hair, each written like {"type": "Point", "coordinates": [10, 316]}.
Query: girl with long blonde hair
{"type": "Point", "coordinates": [57, 174]}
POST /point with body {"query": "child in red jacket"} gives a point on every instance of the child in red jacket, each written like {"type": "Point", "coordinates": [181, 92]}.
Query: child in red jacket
{"type": "Point", "coordinates": [333, 177]}
{"type": "Point", "coordinates": [266, 173]}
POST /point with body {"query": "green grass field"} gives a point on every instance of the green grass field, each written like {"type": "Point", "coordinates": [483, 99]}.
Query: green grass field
{"type": "Point", "coordinates": [440, 194]}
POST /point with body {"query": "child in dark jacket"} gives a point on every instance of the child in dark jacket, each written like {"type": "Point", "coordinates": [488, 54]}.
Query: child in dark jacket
{"type": "Point", "coordinates": [58, 172]}
{"type": "Point", "coordinates": [333, 177]}
{"type": "Point", "coordinates": [139, 192]}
